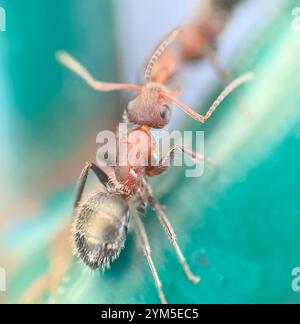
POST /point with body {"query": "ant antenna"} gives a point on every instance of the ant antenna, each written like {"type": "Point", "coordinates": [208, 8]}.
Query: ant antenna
{"type": "Point", "coordinates": [159, 50]}
{"type": "Point", "coordinates": [71, 63]}
{"type": "Point", "coordinates": [228, 90]}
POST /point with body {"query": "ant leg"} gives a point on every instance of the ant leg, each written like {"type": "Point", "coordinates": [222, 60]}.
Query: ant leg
{"type": "Point", "coordinates": [166, 161]}
{"type": "Point", "coordinates": [171, 234]}
{"type": "Point", "coordinates": [71, 63]}
{"type": "Point", "coordinates": [144, 243]}
{"type": "Point", "coordinates": [169, 158]}
{"type": "Point", "coordinates": [210, 54]}
{"type": "Point", "coordinates": [102, 177]}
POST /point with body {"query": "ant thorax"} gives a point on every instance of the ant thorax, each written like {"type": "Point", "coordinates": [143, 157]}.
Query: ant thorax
{"type": "Point", "coordinates": [133, 156]}
{"type": "Point", "coordinates": [150, 107]}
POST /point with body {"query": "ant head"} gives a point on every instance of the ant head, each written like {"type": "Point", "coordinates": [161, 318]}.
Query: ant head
{"type": "Point", "coordinates": [153, 104]}
{"type": "Point", "coordinates": [150, 107]}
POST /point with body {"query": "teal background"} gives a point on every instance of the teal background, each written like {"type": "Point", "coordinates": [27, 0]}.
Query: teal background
{"type": "Point", "coordinates": [238, 224]}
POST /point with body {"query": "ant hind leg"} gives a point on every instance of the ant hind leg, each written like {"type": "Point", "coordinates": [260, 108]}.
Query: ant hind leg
{"type": "Point", "coordinates": [144, 243]}
{"type": "Point", "coordinates": [102, 177]}
{"type": "Point", "coordinates": [171, 234]}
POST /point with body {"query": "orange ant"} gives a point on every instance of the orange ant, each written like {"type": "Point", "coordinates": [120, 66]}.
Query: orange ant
{"type": "Point", "coordinates": [100, 223]}
{"type": "Point", "coordinates": [196, 41]}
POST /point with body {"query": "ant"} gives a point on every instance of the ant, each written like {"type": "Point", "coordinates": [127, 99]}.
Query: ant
{"type": "Point", "coordinates": [197, 41]}
{"type": "Point", "coordinates": [100, 222]}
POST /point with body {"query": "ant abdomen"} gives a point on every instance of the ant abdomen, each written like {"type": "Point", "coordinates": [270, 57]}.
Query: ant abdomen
{"type": "Point", "coordinates": [99, 229]}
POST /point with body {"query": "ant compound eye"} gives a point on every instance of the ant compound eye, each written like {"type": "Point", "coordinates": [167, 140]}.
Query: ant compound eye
{"type": "Point", "coordinates": [165, 112]}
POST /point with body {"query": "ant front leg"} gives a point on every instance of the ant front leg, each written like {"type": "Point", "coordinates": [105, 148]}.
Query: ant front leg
{"type": "Point", "coordinates": [144, 243]}
{"type": "Point", "coordinates": [211, 56]}
{"type": "Point", "coordinates": [171, 234]}
{"type": "Point", "coordinates": [102, 177]}
{"type": "Point", "coordinates": [168, 159]}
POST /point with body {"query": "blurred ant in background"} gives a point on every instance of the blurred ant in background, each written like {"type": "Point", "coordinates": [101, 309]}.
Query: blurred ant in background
{"type": "Point", "coordinates": [197, 41]}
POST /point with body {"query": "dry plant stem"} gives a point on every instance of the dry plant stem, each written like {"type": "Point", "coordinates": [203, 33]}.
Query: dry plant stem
{"type": "Point", "coordinates": [59, 263]}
